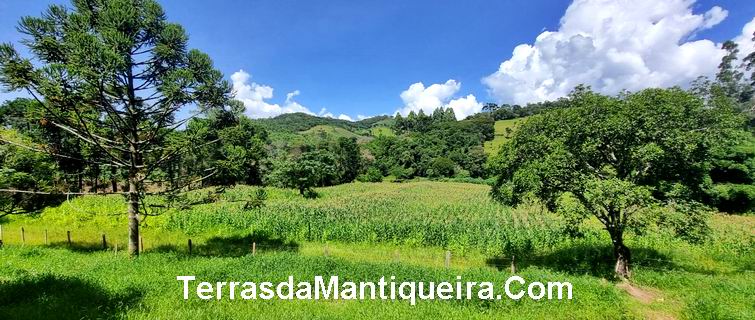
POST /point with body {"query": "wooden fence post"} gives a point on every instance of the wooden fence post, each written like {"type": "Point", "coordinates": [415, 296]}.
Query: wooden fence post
{"type": "Point", "coordinates": [254, 248]}
{"type": "Point", "coordinates": [141, 244]}
{"type": "Point", "coordinates": [46, 240]}
{"type": "Point", "coordinates": [448, 259]}
{"type": "Point", "coordinates": [189, 246]}
{"type": "Point", "coordinates": [115, 250]}
{"type": "Point", "coordinates": [104, 242]}
{"type": "Point", "coordinates": [1, 232]}
{"type": "Point", "coordinates": [23, 236]}
{"type": "Point", "coordinates": [513, 266]}
{"type": "Point", "coordinates": [68, 234]}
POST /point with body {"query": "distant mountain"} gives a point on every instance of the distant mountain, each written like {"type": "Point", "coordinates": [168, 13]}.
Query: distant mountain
{"type": "Point", "coordinates": [377, 120]}
{"type": "Point", "coordinates": [297, 122]}
{"type": "Point", "coordinates": [295, 129]}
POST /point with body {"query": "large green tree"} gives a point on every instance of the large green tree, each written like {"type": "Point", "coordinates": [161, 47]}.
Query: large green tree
{"type": "Point", "coordinates": [24, 169]}
{"type": "Point", "coordinates": [312, 168]}
{"type": "Point", "coordinates": [120, 67]}
{"type": "Point", "coordinates": [349, 158]}
{"type": "Point", "coordinates": [615, 155]}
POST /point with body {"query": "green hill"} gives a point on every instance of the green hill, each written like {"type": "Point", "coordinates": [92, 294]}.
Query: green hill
{"type": "Point", "coordinates": [503, 131]}
{"type": "Point", "coordinates": [382, 131]}
{"type": "Point", "coordinates": [323, 132]}
{"type": "Point", "coordinates": [294, 129]}
{"type": "Point", "coordinates": [296, 122]}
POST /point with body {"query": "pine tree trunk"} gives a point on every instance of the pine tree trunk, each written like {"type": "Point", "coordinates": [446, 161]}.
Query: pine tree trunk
{"type": "Point", "coordinates": [114, 180]}
{"type": "Point", "coordinates": [96, 178]}
{"type": "Point", "coordinates": [133, 214]}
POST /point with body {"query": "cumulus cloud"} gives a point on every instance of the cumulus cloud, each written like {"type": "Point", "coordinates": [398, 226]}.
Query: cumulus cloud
{"type": "Point", "coordinates": [325, 113]}
{"type": "Point", "coordinates": [418, 97]}
{"type": "Point", "coordinates": [611, 45]}
{"type": "Point", "coordinates": [345, 117]}
{"type": "Point", "coordinates": [745, 39]}
{"type": "Point", "coordinates": [253, 95]}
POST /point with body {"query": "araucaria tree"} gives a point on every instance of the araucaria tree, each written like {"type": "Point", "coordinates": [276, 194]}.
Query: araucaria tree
{"type": "Point", "coordinates": [114, 73]}
{"type": "Point", "coordinates": [616, 155]}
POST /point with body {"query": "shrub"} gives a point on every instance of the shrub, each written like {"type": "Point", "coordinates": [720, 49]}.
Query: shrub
{"type": "Point", "coordinates": [442, 167]}
{"type": "Point", "coordinates": [401, 173]}
{"type": "Point", "coordinates": [373, 174]}
{"type": "Point", "coordinates": [733, 197]}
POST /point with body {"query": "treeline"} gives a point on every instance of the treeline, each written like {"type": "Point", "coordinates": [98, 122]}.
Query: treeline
{"type": "Point", "coordinates": [508, 111]}
{"type": "Point", "coordinates": [435, 145]}
{"type": "Point", "coordinates": [226, 148]}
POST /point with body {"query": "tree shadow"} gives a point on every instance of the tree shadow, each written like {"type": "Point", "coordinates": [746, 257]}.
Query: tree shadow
{"type": "Point", "coordinates": [82, 247]}
{"type": "Point", "coordinates": [52, 296]}
{"type": "Point", "coordinates": [597, 261]}
{"type": "Point", "coordinates": [232, 246]}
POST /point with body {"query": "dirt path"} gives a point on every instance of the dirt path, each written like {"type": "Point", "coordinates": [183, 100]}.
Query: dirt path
{"type": "Point", "coordinates": [646, 297]}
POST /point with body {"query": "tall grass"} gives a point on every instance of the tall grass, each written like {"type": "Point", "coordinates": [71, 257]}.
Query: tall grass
{"type": "Point", "coordinates": [365, 223]}
{"type": "Point", "coordinates": [453, 215]}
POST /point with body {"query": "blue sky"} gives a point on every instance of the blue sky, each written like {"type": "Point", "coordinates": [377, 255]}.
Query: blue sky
{"type": "Point", "coordinates": [358, 57]}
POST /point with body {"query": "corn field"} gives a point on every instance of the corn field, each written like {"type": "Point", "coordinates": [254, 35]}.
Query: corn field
{"type": "Point", "coordinates": [452, 215]}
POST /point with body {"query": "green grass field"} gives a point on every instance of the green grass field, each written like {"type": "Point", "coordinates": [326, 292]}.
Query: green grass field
{"type": "Point", "coordinates": [503, 131]}
{"type": "Point", "coordinates": [368, 230]}
{"type": "Point", "coordinates": [376, 131]}
{"type": "Point", "coordinates": [332, 132]}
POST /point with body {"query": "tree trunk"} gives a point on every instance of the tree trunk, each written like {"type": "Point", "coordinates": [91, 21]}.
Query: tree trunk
{"type": "Point", "coordinates": [622, 255]}
{"type": "Point", "coordinates": [114, 180]}
{"type": "Point", "coordinates": [96, 178]}
{"type": "Point", "coordinates": [133, 214]}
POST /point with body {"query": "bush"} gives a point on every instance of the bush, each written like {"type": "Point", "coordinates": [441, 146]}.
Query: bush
{"type": "Point", "coordinates": [733, 198]}
{"type": "Point", "coordinates": [442, 167]}
{"type": "Point", "coordinates": [400, 173]}
{"type": "Point", "coordinates": [373, 174]}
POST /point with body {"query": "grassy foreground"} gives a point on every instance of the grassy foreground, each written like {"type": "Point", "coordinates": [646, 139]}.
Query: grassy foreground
{"type": "Point", "coordinates": [368, 231]}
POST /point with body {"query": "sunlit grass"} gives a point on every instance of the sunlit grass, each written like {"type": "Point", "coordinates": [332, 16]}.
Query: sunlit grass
{"type": "Point", "coordinates": [503, 131]}
{"type": "Point", "coordinates": [424, 220]}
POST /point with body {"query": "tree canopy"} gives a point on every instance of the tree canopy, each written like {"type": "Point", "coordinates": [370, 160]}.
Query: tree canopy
{"type": "Point", "coordinates": [616, 154]}
{"type": "Point", "coordinates": [114, 73]}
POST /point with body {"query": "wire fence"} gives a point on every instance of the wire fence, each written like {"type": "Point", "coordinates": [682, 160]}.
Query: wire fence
{"type": "Point", "coordinates": [241, 247]}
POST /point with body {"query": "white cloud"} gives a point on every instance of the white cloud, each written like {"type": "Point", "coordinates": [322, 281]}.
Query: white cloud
{"type": "Point", "coordinates": [744, 40]}
{"type": "Point", "coordinates": [611, 46]}
{"type": "Point", "coordinates": [253, 96]}
{"type": "Point", "coordinates": [417, 97]}
{"type": "Point", "coordinates": [325, 113]}
{"type": "Point", "coordinates": [714, 16]}
{"type": "Point", "coordinates": [464, 107]}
